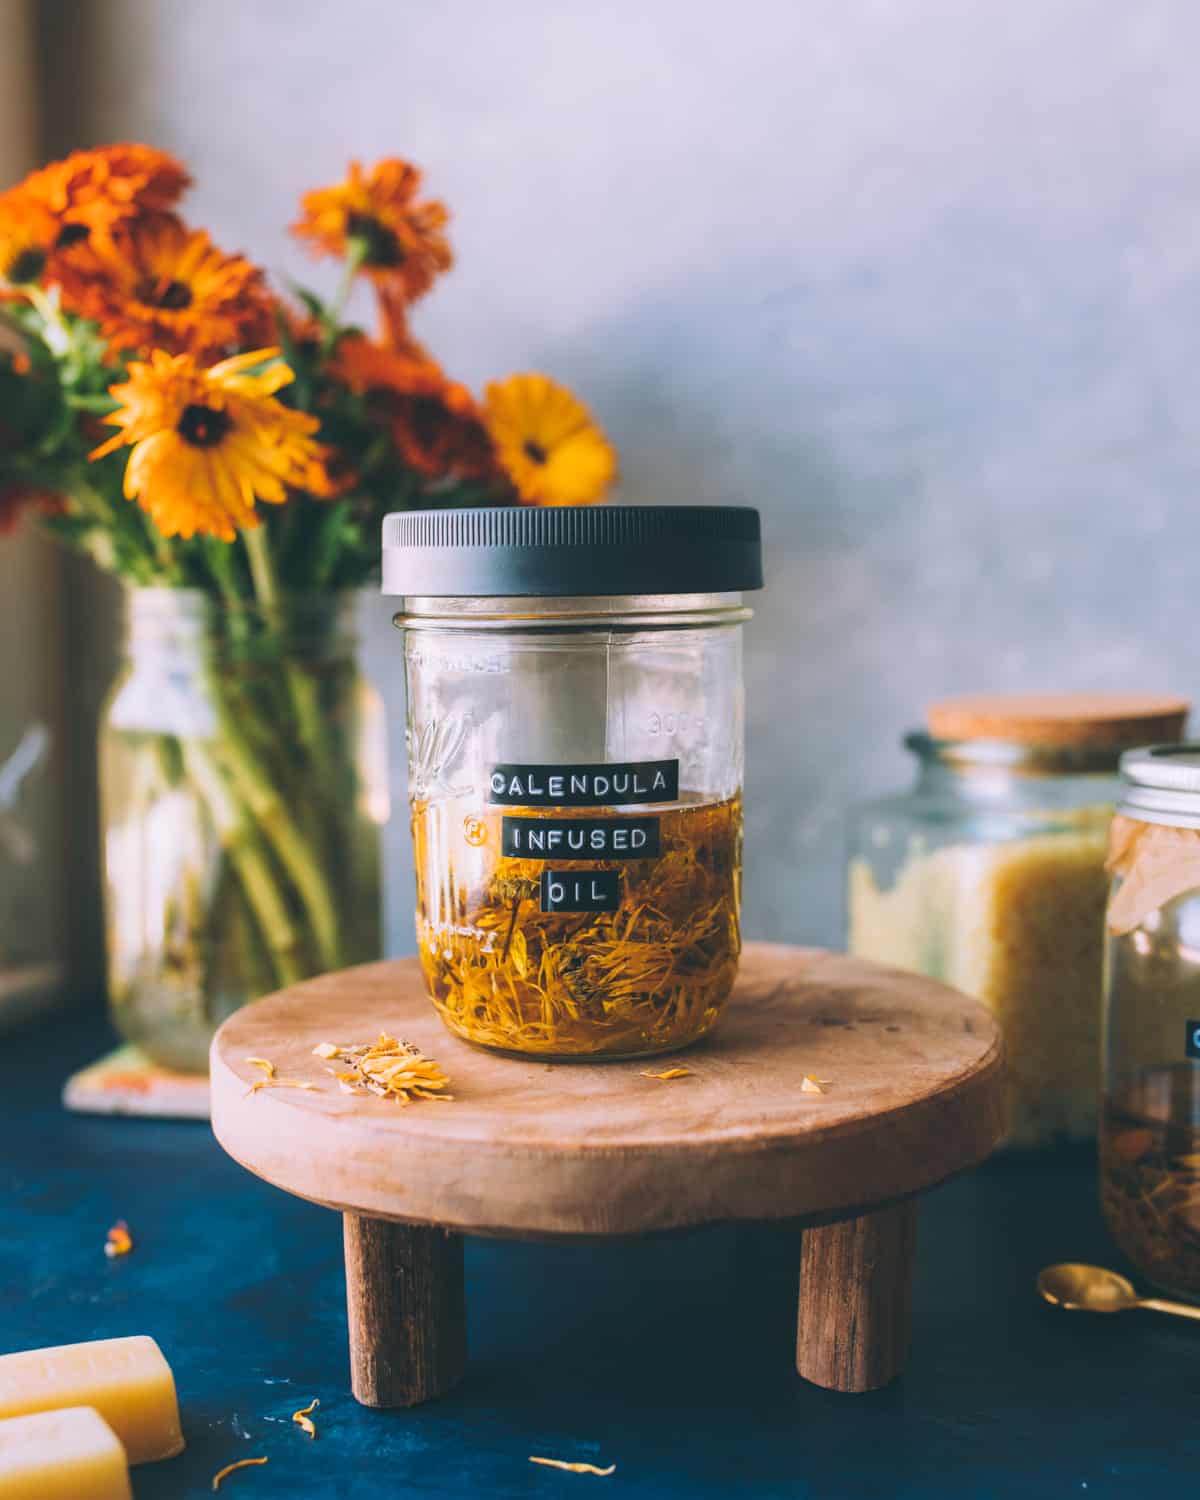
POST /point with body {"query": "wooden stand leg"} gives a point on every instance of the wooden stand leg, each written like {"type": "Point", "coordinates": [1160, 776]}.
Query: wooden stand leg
{"type": "Point", "coordinates": [856, 1299]}
{"type": "Point", "coordinates": [405, 1298]}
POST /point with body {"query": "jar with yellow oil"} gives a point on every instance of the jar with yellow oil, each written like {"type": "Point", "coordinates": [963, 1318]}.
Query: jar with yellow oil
{"type": "Point", "coordinates": [989, 874]}
{"type": "Point", "coordinates": [575, 739]}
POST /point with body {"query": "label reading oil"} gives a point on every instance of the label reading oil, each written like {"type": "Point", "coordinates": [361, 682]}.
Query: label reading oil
{"type": "Point", "coordinates": [581, 890]}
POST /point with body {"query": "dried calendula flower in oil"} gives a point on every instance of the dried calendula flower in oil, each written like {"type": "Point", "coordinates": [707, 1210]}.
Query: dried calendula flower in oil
{"type": "Point", "coordinates": [569, 1468]}
{"type": "Point", "coordinates": [1150, 1178]}
{"type": "Point", "coordinates": [811, 1085]}
{"type": "Point", "coordinates": [669, 1073]}
{"type": "Point", "coordinates": [242, 1463]}
{"type": "Point", "coordinates": [303, 1417]}
{"type": "Point", "coordinates": [119, 1241]}
{"type": "Point", "coordinates": [645, 976]}
{"type": "Point", "coordinates": [264, 1063]}
{"type": "Point", "coordinates": [389, 1068]}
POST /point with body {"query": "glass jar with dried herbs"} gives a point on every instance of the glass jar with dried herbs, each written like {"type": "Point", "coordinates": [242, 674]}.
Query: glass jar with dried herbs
{"type": "Point", "coordinates": [1150, 1119]}
{"type": "Point", "coordinates": [575, 736]}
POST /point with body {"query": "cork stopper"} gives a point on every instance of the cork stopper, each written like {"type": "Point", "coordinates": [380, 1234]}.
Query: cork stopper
{"type": "Point", "coordinates": [1074, 720]}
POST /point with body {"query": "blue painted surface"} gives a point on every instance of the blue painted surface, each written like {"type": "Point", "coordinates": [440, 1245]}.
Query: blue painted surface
{"type": "Point", "coordinates": [670, 1357]}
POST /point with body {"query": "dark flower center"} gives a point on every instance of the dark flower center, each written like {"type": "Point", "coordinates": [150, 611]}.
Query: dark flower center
{"type": "Point", "coordinates": [71, 234]}
{"type": "Point", "coordinates": [535, 452]}
{"type": "Point", "coordinates": [380, 245]}
{"type": "Point", "coordinates": [26, 265]}
{"type": "Point", "coordinates": [202, 426]}
{"type": "Point", "coordinates": [174, 296]}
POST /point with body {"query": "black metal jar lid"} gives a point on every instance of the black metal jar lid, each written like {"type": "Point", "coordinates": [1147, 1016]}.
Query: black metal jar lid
{"type": "Point", "coordinates": [572, 550]}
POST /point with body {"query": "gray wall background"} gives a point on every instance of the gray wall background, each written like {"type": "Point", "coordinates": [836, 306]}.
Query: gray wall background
{"type": "Point", "coordinates": [919, 278]}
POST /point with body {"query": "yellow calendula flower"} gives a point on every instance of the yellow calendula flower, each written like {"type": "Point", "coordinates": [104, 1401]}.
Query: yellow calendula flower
{"type": "Point", "coordinates": [547, 442]}
{"type": "Point", "coordinates": [208, 443]}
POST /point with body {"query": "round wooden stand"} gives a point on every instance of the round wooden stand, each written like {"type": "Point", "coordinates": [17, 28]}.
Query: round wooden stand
{"type": "Point", "coordinates": [532, 1149]}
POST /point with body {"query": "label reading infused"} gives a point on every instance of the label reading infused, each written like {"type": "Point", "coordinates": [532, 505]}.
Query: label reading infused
{"type": "Point", "coordinates": [600, 785]}
{"type": "Point", "coordinates": [579, 838]}
{"type": "Point", "coordinates": [581, 890]}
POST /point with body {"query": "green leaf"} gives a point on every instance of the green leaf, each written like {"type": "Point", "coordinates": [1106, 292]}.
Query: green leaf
{"type": "Point", "coordinates": [309, 300]}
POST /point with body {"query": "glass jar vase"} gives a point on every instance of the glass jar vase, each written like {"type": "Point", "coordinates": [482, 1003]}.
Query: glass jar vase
{"type": "Point", "coordinates": [575, 735]}
{"type": "Point", "coordinates": [989, 875]}
{"type": "Point", "coordinates": [243, 788]}
{"type": "Point", "coordinates": [1150, 1120]}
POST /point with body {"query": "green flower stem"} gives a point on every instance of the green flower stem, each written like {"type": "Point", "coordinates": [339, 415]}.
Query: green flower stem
{"type": "Point", "coordinates": [302, 690]}
{"type": "Point", "coordinates": [262, 570]}
{"type": "Point", "coordinates": [219, 560]}
{"type": "Point", "coordinates": [262, 799]}
{"type": "Point", "coordinates": [237, 837]}
{"type": "Point", "coordinates": [102, 405]}
{"type": "Point", "coordinates": [259, 789]}
{"type": "Point", "coordinates": [58, 334]}
{"type": "Point", "coordinates": [356, 254]}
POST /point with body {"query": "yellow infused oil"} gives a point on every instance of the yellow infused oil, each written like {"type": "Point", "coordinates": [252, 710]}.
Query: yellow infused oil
{"type": "Point", "coordinates": [647, 974]}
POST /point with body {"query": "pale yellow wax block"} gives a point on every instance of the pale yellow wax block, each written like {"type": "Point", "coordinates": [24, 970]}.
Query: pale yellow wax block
{"type": "Point", "coordinates": [62, 1455]}
{"type": "Point", "coordinates": [127, 1380]}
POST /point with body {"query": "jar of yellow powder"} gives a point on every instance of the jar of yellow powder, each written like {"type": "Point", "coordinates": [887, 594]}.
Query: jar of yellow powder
{"type": "Point", "coordinates": [989, 874]}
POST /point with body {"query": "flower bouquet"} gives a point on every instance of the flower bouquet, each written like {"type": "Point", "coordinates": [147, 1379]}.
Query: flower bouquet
{"type": "Point", "coordinates": [229, 454]}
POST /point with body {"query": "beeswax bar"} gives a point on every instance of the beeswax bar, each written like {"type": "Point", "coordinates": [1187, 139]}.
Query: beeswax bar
{"type": "Point", "coordinates": [127, 1380]}
{"type": "Point", "coordinates": [62, 1455]}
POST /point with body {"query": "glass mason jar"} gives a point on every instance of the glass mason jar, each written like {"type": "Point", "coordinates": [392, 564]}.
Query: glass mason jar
{"type": "Point", "coordinates": [989, 875]}
{"type": "Point", "coordinates": [575, 737]}
{"type": "Point", "coordinates": [243, 787]}
{"type": "Point", "coordinates": [1150, 1119]}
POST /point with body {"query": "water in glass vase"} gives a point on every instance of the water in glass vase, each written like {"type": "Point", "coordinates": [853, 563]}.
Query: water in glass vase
{"type": "Point", "coordinates": [242, 775]}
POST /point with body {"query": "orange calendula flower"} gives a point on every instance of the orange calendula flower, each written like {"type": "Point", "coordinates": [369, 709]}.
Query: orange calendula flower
{"type": "Point", "coordinates": [95, 189]}
{"type": "Point", "coordinates": [547, 442]}
{"type": "Point", "coordinates": [118, 1241]}
{"type": "Point", "coordinates": [157, 284]}
{"type": "Point", "coordinates": [208, 443]}
{"type": "Point", "coordinates": [364, 365]}
{"type": "Point", "coordinates": [27, 236]}
{"type": "Point", "coordinates": [375, 215]}
{"type": "Point", "coordinates": [434, 422]}
{"type": "Point", "coordinates": [442, 436]}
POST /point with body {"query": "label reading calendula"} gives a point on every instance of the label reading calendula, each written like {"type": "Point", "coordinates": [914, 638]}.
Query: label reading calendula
{"type": "Point", "coordinates": [601, 785]}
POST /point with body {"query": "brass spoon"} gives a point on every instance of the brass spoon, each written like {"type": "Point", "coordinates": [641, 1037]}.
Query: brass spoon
{"type": "Point", "coordinates": [1093, 1289]}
